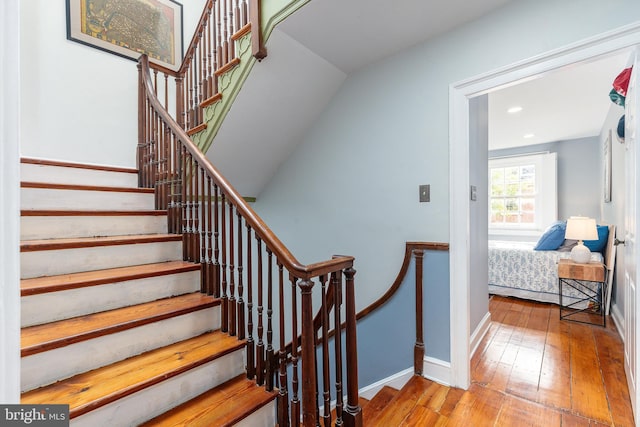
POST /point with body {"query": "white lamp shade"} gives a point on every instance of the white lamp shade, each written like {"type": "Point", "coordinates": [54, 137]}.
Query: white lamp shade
{"type": "Point", "coordinates": [581, 228]}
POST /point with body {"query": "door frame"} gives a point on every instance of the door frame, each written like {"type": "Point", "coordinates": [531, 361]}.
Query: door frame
{"type": "Point", "coordinates": [459, 163]}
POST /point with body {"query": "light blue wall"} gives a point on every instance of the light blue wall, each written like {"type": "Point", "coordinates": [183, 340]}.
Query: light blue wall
{"type": "Point", "coordinates": [580, 175]}
{"type": "Point", "coordinates": [351, 186]}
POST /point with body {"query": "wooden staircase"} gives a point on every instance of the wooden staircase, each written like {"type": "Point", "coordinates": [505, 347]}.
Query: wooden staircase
{"type": "Point", "coordinates": [113, 322]}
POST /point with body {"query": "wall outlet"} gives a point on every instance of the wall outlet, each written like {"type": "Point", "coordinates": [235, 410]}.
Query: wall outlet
{"type": "Point", "coordinates": [425, 193]}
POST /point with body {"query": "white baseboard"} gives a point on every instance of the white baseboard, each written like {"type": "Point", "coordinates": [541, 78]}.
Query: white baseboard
{"type": "Point", "coordinates": [479, 333]}
{"type": "Point", "coordinates": [618, 319]}
{"type": "Point", "coordinates": [437, 370]}
{"type": "Point", "coordinates": [433, 369]}
{"type": "Point", "coordinates": [396, 381]}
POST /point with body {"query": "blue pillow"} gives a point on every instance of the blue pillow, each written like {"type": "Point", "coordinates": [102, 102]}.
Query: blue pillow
{"type": "Point", "coordinates": [552, 238]}
{"type": "Point", "coordinates": [601, 243]}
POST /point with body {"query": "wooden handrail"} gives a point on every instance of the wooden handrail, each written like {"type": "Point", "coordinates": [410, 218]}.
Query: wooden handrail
{"type": "Point", "coordinates": [203, 207]}
{"type": "Point", "coordinates": [300, 270]}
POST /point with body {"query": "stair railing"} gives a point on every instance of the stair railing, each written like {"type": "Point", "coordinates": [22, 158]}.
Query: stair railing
{"type": "Point", "coordinates": [264, 289]}
{"type": "Point", "coordinates": [210, 53]}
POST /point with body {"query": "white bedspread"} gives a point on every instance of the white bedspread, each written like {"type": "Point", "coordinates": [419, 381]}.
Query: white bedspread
{"type": "Point", "coordinates": [515, 269]}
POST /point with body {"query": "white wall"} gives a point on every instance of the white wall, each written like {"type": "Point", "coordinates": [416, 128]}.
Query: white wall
{"type": "Point", "coordinates": [9, 202]}
{"type": "Point", "coordinates": [351, 186]}
{"type": "Point", "coordinates": [613, 212]}
{"type": "Point", "coordinates": [78, 103]}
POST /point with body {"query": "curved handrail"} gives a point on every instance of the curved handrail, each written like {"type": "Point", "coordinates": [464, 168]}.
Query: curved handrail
{"type": "Point", "coordinates": [285, 256]}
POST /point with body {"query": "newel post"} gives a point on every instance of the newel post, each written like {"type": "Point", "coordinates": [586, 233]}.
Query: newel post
{"type": "Point", "coordinates": [258, 49]}
{"type": "Point", "coordinates": [309, 402]}
{"type": "Point", "coordinates": [418, 351]}
{"type": "Point", "coordinates": [141, 121]}
{"type": "Point", "coordinates": [352, 414]}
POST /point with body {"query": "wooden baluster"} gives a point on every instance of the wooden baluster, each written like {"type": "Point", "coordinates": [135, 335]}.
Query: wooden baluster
{"type": "Point", "coordinates": [251, 352]}
{"type": "Point", "coordinates": [240, 309]}
{"type": "Point", "coordinates": [200, 77]}
{"type": "Point", "coordinates": [155, 82]}
{"type": "Point", "coordinates": [236, 17]}
{"type": "Point", "coordinates": [189, 210]}
{"type": "Point", "coordinates": [208, 268]}
{"type": "Point", "coordinates": [336, 282]}
{"type": "Point", "coordinates": [166, 92]}
{"type": "Point", "coordinates": [244, 10]}
{"type": "Point", "coordinates": [177, 190]}
{"type": "Point", "coordinates": [184, 205]}
{"type": "Point", "coordinates": [308, 347]}
{"type": "Point", "coordinates": [260, 345]}
{"type": "Point", "coordinates": [203, 234]}
{"type": "Point", "coordinates": [225, 297]}
{"type": "Point", "coordinates": [195, 206]}
{"type": "Point", "coordinates": [215, 60]}
{"type": "Point", "coordinates": [206, 69]}
{"type": "Point", "coordinates": [219, 45]}
{"type": "Point", "coordinates": [189, 77]}
{"type": "Point", "coordinates": [180, 102]}
{"type": "Point", "coordinates": [232, 298]}
{"type": "Point", "coordinates": [418, 351]}
{"type": "Point", "coordinates": [295, 400]}
{"type": "Point", "coordinates": [270, 368]}
{"type": "Point", "coordinates": [230, 23]}
{"type": "Point", "coordinates": [353, 413]}
{"type": "Point", "coordinates": [225, 34]}
{"type": "Point", "coordinates": [216, 240]}
{"type": "Point", "coordinates": [283, 394]}
{"type": "Point", "coordinates": [326, 378]}
{"type": "Point", "coordinates": [142, 109]}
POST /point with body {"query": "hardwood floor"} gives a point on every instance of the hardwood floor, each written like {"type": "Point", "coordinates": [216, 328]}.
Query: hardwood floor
{"type": "Point", "coordinates": [531, 369]}
{"type": "Point", "coordinates": [559, 372]}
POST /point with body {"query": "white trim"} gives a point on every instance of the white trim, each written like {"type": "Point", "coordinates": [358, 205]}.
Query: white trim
{"type": "Point", "coordinates": [10, 201]}
{"type": "Point", "coordinates": [459, 94]}
{"type": "Point", "coordinates": [396, 381]}
{"type": "Point", "coordinates": [437, 370]}
{"type": "Point", "coordinates": [618, 320]}
{"type": "Point", "coordinates": [480, 332]}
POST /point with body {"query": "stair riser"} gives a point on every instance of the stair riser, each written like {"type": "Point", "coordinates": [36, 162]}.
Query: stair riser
{"type": "Point", "coordinates": [63, 261]}
{"type": "Point", "coordinates": [153, 401]}
{"type": "Point", "coordinates": [263, 417]}
{"type": "Point", "coordinates": [49, 307]}
{"type": "Point", "coordinates": [76, 176]}
{"type": "Point", "coordinates": [59, 227]}
{"type": "Point", "coordinates": [47, 367]}
{"type": "Point", "coordinates": [61, 199]}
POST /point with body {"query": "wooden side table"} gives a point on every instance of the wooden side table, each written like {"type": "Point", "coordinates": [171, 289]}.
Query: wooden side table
{"type": "Point", "coordinates": [589, 282]}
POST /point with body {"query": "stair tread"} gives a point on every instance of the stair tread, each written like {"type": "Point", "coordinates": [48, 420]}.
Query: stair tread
{"type": "Point", "coordinates": [82, 187]}
{"type": "Point", "coordinates": [85, 242]}
{"type": "Point", "coordinates": [39, 338]}
{"type": "Point", "coordinates": [214, 408]}
{"type": "Point", "coordinates": [83, 212]}
{"type": "Point", "coordinates": [40, 285]}
{"type": "Point", "coordinates": [60, 163]}
{"type": "Point", "coordinates": [378, 403]}
{"type": "Point", "coordinates": [401, 405]}
{"type": "Point", "coordinates": [90, 390]}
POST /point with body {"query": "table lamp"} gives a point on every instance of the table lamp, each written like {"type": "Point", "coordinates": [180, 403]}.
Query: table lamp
{"type": "Point", "coordinates": [581, 228]}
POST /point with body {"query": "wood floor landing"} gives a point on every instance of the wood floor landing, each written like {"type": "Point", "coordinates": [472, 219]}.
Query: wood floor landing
{"type": "Point", "coordinates": [531, 369]}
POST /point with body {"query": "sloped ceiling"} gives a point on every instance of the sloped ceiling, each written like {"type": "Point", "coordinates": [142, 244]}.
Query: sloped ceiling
{"type": "Point", "coordinates": [312, 52]}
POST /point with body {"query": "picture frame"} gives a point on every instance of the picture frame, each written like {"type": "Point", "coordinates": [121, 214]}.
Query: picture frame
{"type": "Point", "coordinates": [129, 28]}
{"type": "Point", "coordinates": [606, 155]}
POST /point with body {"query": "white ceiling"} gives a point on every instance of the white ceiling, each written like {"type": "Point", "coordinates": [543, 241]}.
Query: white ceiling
{"type": "Point", "coordinates": [569, 103]}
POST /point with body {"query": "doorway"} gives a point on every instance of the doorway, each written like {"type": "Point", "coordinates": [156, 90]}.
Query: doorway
{"type": "Point", "coordinates": [460, 229]}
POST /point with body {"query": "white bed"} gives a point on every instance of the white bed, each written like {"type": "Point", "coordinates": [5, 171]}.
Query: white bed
{"type": "Point", "coordinates": [515, 269]}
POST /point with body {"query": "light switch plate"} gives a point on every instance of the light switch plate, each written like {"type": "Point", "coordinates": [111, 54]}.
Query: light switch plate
{"type": "Point", "coordinates": [425, 193]}
{"type": "Point", "coordinates": [474, 193]}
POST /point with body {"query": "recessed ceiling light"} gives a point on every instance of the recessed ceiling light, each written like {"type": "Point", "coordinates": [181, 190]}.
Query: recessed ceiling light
{"type": "Point", "coordinates": [514, 110]}
{"type": "Point", "coordinates": [528, 135]}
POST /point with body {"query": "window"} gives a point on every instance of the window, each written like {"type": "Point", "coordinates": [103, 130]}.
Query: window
{"type": "Point", "coordinates": [522, 193]}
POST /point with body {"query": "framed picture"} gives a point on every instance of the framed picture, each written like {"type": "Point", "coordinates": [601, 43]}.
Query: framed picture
{"type": "Point", "coordinates": [129, 28]}
{"type": "Point", "coordinates": [607, 167]}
